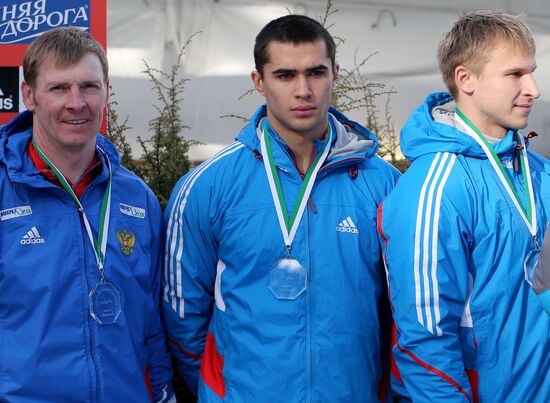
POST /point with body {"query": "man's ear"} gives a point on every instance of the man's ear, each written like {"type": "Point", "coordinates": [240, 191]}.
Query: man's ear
{"type": "Point", "coordinates": [258, 81]}
{"type": "Point", "coordinates": [28, 99]}
{"type": "Point", "coordinates": [336, 72]}
{"type": "Point", "coordinates": [465, 80]}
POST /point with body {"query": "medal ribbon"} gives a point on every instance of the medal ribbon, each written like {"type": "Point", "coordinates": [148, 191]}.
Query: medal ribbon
{"type": "Point", "coordinates": [100, 245]}
{"type": "Point", "coordinates": [529, 214]}
{"type": "Point", "coordinates": [289, 223]}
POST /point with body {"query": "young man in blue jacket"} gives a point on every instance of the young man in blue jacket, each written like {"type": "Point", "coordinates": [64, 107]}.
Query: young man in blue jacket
{"type": "Point", "coordinates": [80, 243]}
{"type": "Point", "coordinates": [274, 282]}
{"type": "Point", "coordinates": [465, 223]}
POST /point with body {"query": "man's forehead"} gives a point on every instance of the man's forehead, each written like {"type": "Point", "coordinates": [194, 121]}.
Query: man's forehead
{"type": "Point", "coordinates": [298, 53]}
{"type": "Point", "coordinates": [53, 65]}
{"type": "Point", "coordinates": [505, 52]}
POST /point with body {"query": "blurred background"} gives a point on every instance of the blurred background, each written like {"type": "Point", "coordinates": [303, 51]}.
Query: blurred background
{"type": "Point", "coordinates": [399, 38]}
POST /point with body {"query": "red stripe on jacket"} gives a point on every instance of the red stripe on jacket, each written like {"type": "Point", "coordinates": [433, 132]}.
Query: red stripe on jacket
{"type": "Point", "coordinates": [212, 366]}
{"type": "Point", "coordinates": [436, 371]}
{"type": "Point", "coordinates": [184, 352]}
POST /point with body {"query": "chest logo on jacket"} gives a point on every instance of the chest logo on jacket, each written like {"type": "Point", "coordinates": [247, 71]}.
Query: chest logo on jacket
{"type": "Point", "coordinates": [14, 212]}
{"type": "Point", "coordinates": [132, 211]}
{"type": "Point", "coordinates": [347, 225]}
{"type": "Point", "coordinates": [127, 241]}
{"type": "Point", "coordinates": [32, 237]}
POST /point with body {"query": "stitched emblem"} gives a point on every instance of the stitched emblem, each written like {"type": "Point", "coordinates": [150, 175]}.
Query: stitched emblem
{"type": "Point", "coordinates": [127, 241]}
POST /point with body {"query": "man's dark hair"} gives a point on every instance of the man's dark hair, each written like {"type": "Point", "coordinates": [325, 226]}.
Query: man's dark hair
{"type": "Point", "coordinates": [293, 29]}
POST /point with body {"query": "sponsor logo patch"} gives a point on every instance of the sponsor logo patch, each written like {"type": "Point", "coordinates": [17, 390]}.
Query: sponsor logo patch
{"type": "Point", "coordinates": [127, 241]}
{"type": "Point", "coordinates": [15, 212]}
{"type": "Point", "coordinates": [132, 211]}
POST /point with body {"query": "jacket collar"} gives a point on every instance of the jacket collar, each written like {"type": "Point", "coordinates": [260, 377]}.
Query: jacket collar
{"type": "Point", "coordinates": [351, 140]}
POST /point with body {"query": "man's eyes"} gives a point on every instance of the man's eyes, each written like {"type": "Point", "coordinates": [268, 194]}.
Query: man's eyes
{"type": "Point", "coordinates": [317, 73]}
{"type": "Point", "coordinates": [62, 87]}
{"type": "Point", "coordinates": [312, 73]}
{"type": "Point", "coordinates": [92, 86]}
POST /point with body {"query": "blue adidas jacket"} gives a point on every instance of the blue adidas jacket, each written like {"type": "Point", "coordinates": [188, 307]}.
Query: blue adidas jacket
{"type": "Point", "coordinates": [469, 326]}
{"type": "Point", "coordinates": [222, 239]}
{"type": "Point", "coordinates": [51, 349]}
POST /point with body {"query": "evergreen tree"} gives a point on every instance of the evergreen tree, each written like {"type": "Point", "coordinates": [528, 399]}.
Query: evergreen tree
{"type": "Point", "coordinates": [354, 91]}
{"type": "Point", "coordinates": [116, 133]}
{"type": "Point", "coordinates": [165, 156]}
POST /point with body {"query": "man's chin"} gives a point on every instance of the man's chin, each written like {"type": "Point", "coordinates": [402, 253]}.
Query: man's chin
{"type": "Point", "coordinates": [79, 145]}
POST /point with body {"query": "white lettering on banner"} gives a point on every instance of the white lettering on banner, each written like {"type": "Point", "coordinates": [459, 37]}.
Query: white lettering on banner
{"type": "Point", "coordinates": [25, 9]}
{"type": "Point", "coordinates": [6, 104]}
{"type": "Point", "coordinates": [29, 19]}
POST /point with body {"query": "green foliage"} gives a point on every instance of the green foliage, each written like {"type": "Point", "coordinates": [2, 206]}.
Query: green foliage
{"type": "Point", "coordinates": [354, 91]}
{"type": "Point", "coordinates": [116, 130]}
{"type": "Point", "coordinates": [165, 156]}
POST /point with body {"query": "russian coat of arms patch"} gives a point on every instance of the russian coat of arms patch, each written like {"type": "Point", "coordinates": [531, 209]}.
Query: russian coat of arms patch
{"type": "Point", "coordinates": [127, 241]}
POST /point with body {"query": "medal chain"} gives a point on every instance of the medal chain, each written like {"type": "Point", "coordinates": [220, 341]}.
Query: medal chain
{"type": "Point", "coordinates": [528, 213]}
{"type": "Point", "coordinates": [289, 223]}
{"type": "Point", "coordinates": [99, 245]}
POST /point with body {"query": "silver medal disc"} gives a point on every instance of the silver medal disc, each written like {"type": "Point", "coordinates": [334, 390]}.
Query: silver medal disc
{"type": "Point", "coordinates": [287, 279]}
{"type": "Point", "coordinates": [105, 305]}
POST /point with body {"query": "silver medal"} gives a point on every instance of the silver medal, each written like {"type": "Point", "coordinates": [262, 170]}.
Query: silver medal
{"type": "Point", "coordinates": [287, 279]}
{"type": "Point", "coordinates": [105, 305]}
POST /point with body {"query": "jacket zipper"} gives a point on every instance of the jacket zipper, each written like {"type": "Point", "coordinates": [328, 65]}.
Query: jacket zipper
{"type": "Point", "coordinates": [310, 375]}
{"type": "Point", "coordinates": [95, 381]}
{"type": "Point", "coordinates": [309, 336]}
{"type": "Point", "coordinates": [309, 341]}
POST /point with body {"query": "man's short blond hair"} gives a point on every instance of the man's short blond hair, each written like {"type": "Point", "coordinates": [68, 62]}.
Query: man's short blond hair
{"type": "Point", "coordinates": [473, 36]}
{"type": "Point", "coordinates": [63, 46]}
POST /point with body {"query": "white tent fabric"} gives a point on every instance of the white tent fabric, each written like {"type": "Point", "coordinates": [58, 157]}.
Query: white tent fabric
{"type": "Point", "coordinates": [403, 34]}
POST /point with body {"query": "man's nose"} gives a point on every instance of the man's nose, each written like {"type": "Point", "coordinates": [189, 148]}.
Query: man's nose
{"type": "Point", "coordinates": [303, 86]}
{"type": "Point", "coordinates": [530, 87]}
{"type": "Point", "coordinates": [75, 99]}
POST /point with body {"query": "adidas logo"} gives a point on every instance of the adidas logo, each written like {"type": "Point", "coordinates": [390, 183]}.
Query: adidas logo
{"type": "Point", "coordinates": [32, 237]}
{"type": "Point", "coordinates": [347, 225]}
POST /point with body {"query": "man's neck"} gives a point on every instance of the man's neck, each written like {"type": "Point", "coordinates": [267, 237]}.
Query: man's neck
{"type": "Point", "coordinates": [302, 145]}
{"type": "Point", "coordinates": [302, 153]}
{"type": "Point", "coordinates": [70, 163]}
{"type": "Point", "coordinates": [478, 119]}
